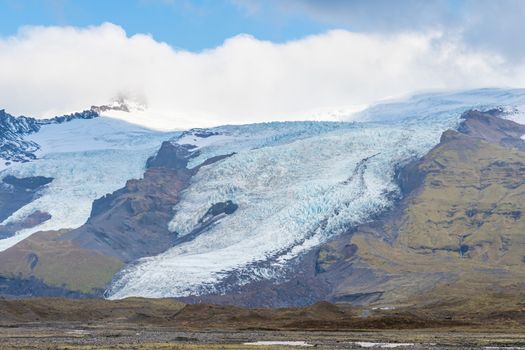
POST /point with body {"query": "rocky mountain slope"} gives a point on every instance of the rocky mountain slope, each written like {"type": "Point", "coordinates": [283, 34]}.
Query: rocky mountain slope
{"type": "Point", "coordinates": [458, 231]}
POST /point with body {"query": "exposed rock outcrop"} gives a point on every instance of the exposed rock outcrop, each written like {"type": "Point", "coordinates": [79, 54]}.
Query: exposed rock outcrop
{"type": "Point", "coordinates": [487, 126]}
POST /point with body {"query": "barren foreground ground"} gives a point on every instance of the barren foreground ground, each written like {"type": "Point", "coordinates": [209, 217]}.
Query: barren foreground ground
{"type": "Point", "coordinates": [76, 336]}
{"type": "Point", "coordinates": [169, 324]}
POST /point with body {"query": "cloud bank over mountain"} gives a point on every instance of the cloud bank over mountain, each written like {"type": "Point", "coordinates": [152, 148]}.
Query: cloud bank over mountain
{"type": "Point", "coordinates": [53, 70]}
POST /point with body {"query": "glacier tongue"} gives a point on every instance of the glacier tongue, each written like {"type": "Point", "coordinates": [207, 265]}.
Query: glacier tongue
{"type": "Point", "coordinates": [292, 193]}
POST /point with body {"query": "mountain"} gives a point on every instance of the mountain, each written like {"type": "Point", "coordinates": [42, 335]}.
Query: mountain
{"type": "Point", "coordinates": [419, 202]}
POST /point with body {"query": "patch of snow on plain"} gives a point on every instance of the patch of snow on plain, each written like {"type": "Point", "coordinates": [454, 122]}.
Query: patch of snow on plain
{"type": "Point", "coordinates": [365, 344]}
{"type": "Point", "coordinates": [280, 342]}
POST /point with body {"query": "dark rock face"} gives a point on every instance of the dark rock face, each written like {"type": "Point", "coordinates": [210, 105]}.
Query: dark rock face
{"type": "Point", "coordinates": [200, 133]}
{"type": "Point", "coordinates": [132, 222]}
{"type": "Point", "coordinates": [13, 146]}
{"type": "Point", "coordinates": [17, 192]}
{"type": "Point", "coordinates": [33, 286]}
{"type": "Point", "coordinates": [227, 208]}
{"type": "Point", "coordinates": [119, 105]}
{"type": "Point", "coordinates": [87, 114]}
{"type": "Point", "coordinates": [171, 156]}
{"type": "Point", "coordinates": [409, 177]}
{"type": "Point", "coordinates": [213, 215]}
{"type": "Point", "coordinates": [12, 130]}
{"type": "Point", "coordinates": [27, 183]}
{"type": "Point", "coordinates": [487, 126]}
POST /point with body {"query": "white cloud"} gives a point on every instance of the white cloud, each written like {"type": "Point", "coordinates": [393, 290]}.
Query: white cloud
{"type": "Point", "coordinates": [53, 70]}
{"type": "Point", "coordinates": [484, 23]}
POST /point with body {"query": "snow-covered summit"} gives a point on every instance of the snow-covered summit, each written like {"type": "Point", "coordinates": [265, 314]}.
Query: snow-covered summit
{"type": "Point", "coordinates": [121, 104]}
{"type": "Point", "coordinates": [449, 103]}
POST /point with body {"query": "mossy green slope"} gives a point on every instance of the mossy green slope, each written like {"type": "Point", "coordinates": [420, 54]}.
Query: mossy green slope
{"type": "Point", "coordinates": [471, 203]}
{"type": "Point", "coordinates": [59, 263]}
{"type": "Point", "coordinates": [458, 237]}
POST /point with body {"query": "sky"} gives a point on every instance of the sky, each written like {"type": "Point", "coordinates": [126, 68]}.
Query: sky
{"type": "Point", "coordinates": [209, 62]}
{"type": "Point", "coordinates": [184, 24]}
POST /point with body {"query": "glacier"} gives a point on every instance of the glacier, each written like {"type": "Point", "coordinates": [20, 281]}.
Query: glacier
{"type": "Point", "coordinates": [87, 159]}
{"type": "Point", "coordinates": [290, 197]}
{"type": "Point", "coordinates": [296, 185]}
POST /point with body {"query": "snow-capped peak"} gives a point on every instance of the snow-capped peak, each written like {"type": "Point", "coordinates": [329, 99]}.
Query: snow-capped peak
{"type": "Point", "coordinates": [121, 104]}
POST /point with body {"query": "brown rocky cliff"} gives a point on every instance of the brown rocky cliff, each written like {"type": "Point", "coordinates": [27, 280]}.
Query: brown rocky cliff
{"type": "Point", "coordinates": [132, 222]}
